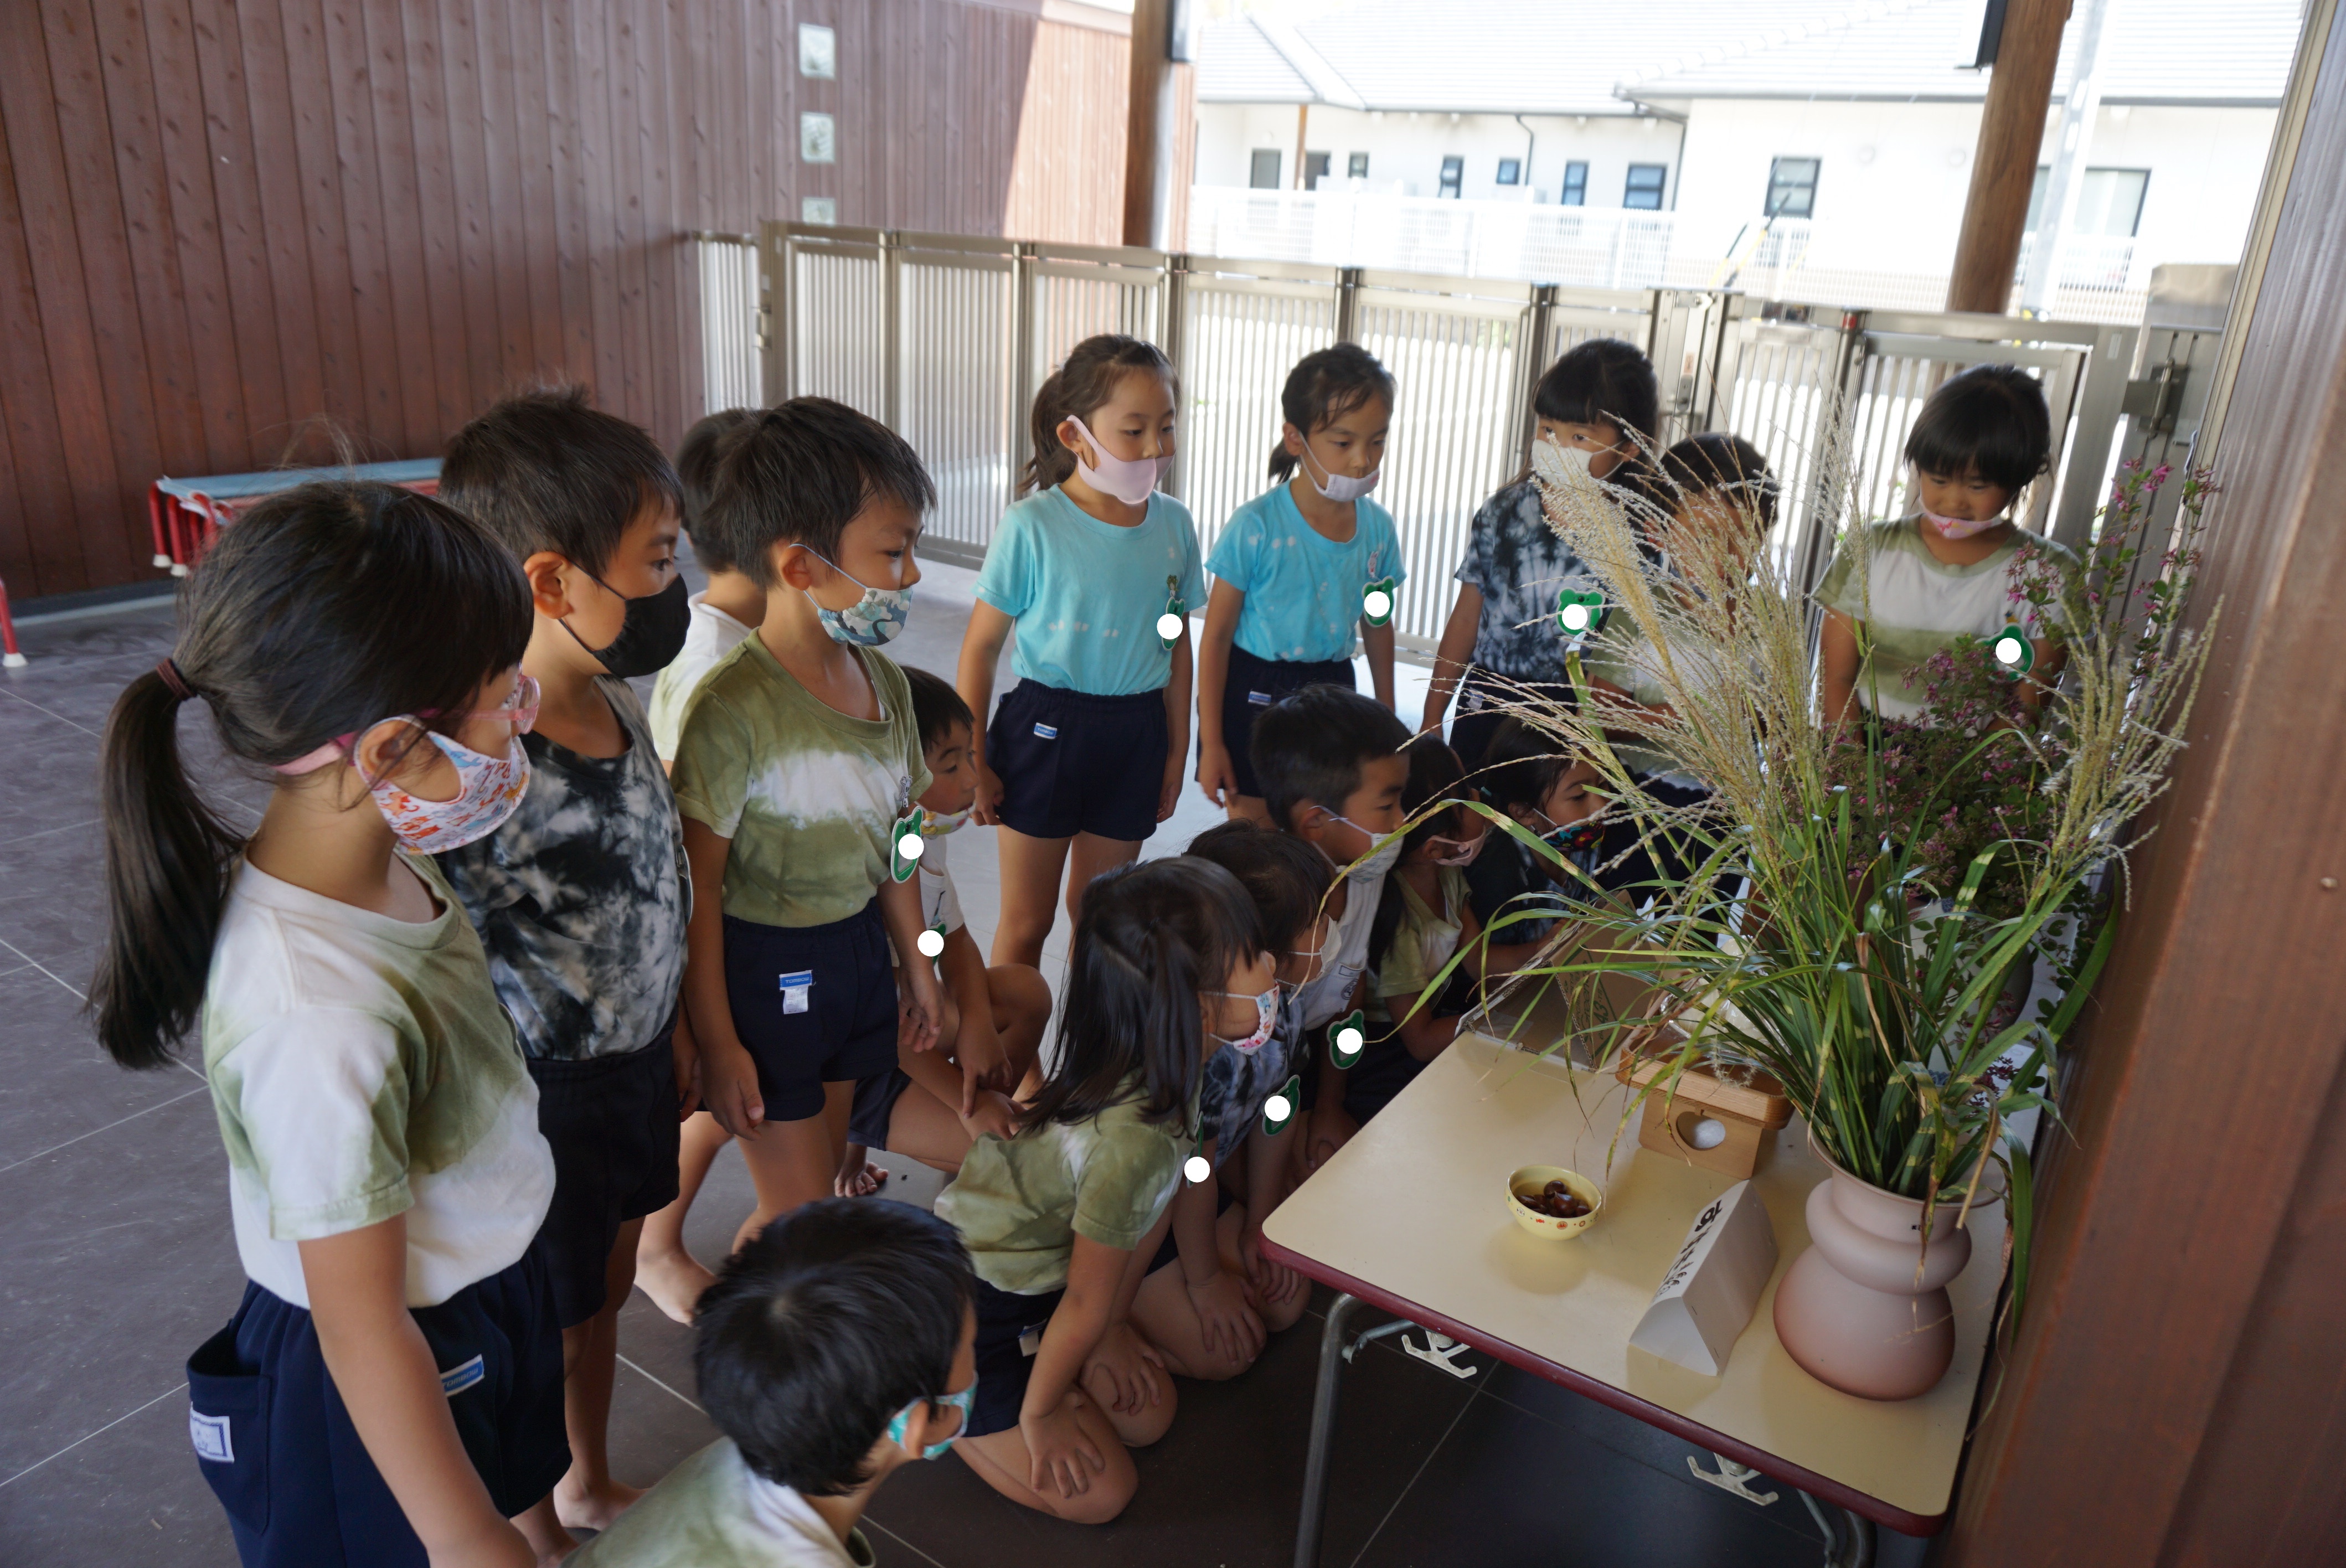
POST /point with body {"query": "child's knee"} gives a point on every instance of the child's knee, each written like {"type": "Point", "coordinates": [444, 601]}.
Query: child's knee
{"type": "Point", "coordinates": [1111, 1492]}
{"type": "Point", "coordinates": [1020, 994]}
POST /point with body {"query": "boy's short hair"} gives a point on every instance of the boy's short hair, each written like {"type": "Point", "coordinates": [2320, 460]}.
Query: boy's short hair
{"type": "Point", "coordinates": [1287, 879]}
{"type": "Point", "coordinates": [695, 468]}
{"type": "Point", "coordinates": [936, 706]}
{"type": "Point", "coordinates": [1521, 765]}
{"type": "Point", "coordinates": [1716, 462]}
{"type": "Point", "coordinates": [800, 472]}
{"type": "Point", "coordinates": [1309, 744]}
{"type": "Point", "coordinates": [828, 1321]}
{"type": "Point", "coordinates": [549, 471]}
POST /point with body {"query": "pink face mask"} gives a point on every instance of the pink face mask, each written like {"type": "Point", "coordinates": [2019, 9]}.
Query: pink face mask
{"type": "Point", "coordinates": [1958, 527]}
{"type": "Point", "coordinates": [1456, 852]}
{"type": "Point", "coordinates": [1129, 479]}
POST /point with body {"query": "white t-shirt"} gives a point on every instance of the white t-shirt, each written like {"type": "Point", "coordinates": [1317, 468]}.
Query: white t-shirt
{"type": "Point", "coordinates": [361, 1067]}
{"type": "Point", "coordinates": [940, 904]}
{"type": "Point", "coordinates": [1345, 955]}
{"type": "Point", "coordinates": [714, 1512]}
{"type": "Point", "coordinates": [709, 637]}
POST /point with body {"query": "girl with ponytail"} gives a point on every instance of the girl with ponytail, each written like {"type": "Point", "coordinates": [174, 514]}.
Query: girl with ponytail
{"type": "Point", "coordinates": [1063, 1219]}
{"type": "Point", "coordinates": [1099, 571]}
{"type": "Point", "coordinates": [391, 1388]}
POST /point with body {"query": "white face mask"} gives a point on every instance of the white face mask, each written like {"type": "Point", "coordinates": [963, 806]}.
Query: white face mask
{"type": "Point", "coordinates": [1339, 486]}
{"type": "Point", "coordinates": [1130, 480]}
{"type": "Point", "coordinates": [1379, 860]}
{"type": "Point", "coordinates": [1558, 463]}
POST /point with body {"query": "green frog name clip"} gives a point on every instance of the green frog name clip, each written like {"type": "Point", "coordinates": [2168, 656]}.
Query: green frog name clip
{"type": "Point", "coordinates": [1348, 1038]}
{"type": "Point", "coordinates": [1578, 612]}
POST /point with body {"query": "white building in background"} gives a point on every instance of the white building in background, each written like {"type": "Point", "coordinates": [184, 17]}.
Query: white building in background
{"type": "Point", "coordinates": [1798, 149]}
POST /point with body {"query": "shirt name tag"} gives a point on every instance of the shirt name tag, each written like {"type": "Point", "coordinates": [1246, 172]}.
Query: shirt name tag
{"type": "Point", "coordinates": [1030, 1341]}
{"type": "Point", "coordinates": [1046, 732]}
{"type": "Point", "coordinates": [1258, 699]}
{"type": "Point", "coordinates": [210, 1434]}
{"type": "Point", "coordinates": [795, 987]}
{"type": "Point", "coordinates": [457, 1379]}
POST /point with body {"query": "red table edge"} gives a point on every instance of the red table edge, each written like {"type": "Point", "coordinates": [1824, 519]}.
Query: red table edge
{"type": "Point", "coordinates": [1629, 1404]}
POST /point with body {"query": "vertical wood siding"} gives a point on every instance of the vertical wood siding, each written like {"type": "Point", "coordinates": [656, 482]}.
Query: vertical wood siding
{"type": "Point", "coordinates": [229, 226]}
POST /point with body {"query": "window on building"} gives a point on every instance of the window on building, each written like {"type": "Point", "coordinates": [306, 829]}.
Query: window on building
{"type": "Point", "coordinates": [818, 52]}
{"type": "Point", "coordinates": [1315, 169]}
{"type": "Point", "coordinates": [1356, 166]}
{"type": "Point", "coordinates": [1511, 172]}
{"type": "Point", "coordinates": [818, 138]}
{"type": "Point", "coordinates": [1575, 185]}
{"type": "Point", "coordinates": [1453, 171]}
{"type": "Point", "coordinates": [2109, 201]}
{"type": "Point", "coordinates": [1791, 187]}
{"type": "Point", "coordinates": [1643, 189]}
{"type": "Point", "coordinates": [818, 210]}
{"type": "Point", "coordinates": [1262, 169]}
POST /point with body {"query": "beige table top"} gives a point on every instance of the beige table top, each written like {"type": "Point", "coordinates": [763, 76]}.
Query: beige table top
{"type": "Point", "coordinates": [1412, 1215]}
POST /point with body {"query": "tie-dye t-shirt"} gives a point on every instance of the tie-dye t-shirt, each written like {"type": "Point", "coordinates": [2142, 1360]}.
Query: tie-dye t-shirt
{"type": "Point", "coordinates": [806, 793]}
{"type": "Point", "coordinates": [362, 1068]}
{"type": "Point", "coordinates": [1519, 565]}
{"type": "Point", "coordinates": [581, 897]}
{"type": "Point", "coordinates": [1021, 1202]}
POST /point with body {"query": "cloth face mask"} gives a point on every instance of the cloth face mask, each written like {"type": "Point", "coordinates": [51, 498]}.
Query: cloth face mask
{"type": "Point", "coordinates": [1339, 486]}
{"type": "Point", "coordinates": [1456, 852]}
{"type": "Point", "coordinates": [1959, 527]}
{"type": "Point", "coordinates": [488, 790]}
{"type": "Point", "coordinates": [1131, 480]}
{"type": "Point", "coordinates": [871, 620]}
{"type": "Point", "coordinates": [1559, 464]}
{"type": "Point", "coordinates": [652, 634]}
{"type": "Point", "coordinates": [937, 824]}
{"type": "Point", "coordinates": [1578, 837]}
{"type": "Point", "coordinates": [1266, 1006]}
{"type": "Point", "coordinates": [902, 1421]}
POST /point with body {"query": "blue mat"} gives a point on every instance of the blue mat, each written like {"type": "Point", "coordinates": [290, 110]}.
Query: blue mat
{"type": "Point", "coordinates": [236, 486]}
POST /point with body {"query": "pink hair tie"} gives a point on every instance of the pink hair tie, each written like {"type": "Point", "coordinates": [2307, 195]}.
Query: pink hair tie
{"type": "Point", "coordinates": [174, 682]}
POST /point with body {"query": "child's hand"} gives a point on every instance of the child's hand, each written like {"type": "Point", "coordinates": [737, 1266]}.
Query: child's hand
{"type": "Point", "coordinates": [1131, 1365]}
{"type": "Point", "coordinates": [1272, 1282]}
{"type": "Point", "coordinates": [985, 1064]}
{"type": "Point", "coordinates": [1168, 793]}
{"type": "Point", "coordinates": [1332, 1128]}
{"type": "Point", "coordinates": [993, 1113]}
{"type": "Point", "coordinates": [989, 796]}
{"type": "Point", "coordinates": [1058, 1453]}
{"type": "Point", "coordinates": [498, 1545]}
{"type": "Point", "coordinates": [730, 1081]}
{"type": "Point", "coordinates": [686, 1053]}
{"type": "Point", "coordinates": [1231, 1327]}
{"type": "Point", "coordinates": [923, 1016]}
{"type": "Point", "coordinates": [1216, 776]}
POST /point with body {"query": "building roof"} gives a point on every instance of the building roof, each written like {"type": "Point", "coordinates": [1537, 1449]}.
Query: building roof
{"type": "Point", "coordinates": [1615, 57]}
{"type": "Point", "coordinates": [2153, 52]}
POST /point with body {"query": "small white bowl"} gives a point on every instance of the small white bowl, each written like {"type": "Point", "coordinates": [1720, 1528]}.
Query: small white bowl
{"type": "Point", "coordinates": [1533, 1179]}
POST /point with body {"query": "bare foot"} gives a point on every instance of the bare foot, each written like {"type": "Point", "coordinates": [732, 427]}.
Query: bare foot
{"type": "Point", "coordinates": [584, 1510]}
{"type": "Point", "coordinates": [674, 1281]}
{"type": "Point", "coordinates": [857, 1176]}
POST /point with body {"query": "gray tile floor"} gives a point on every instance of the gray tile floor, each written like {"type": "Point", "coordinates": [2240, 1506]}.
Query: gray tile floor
{"type": "Point", "coordinates": [116, 1260]}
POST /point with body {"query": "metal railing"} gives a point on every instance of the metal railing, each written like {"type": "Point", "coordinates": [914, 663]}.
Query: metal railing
{"type": "Point", "coordinates": [946, 338]}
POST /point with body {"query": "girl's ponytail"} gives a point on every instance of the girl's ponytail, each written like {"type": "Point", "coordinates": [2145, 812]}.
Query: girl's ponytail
{"type": "Point", "coordinates": [167, 859]}
{"type": "Point", "coordinates": [1323, 388]}
{"type": "Point", "coordinates": [323, 611]}
{"type": "Point", "coordinates": [1084, 383]}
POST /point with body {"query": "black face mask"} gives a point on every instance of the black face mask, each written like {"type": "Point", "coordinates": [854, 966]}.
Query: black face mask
{"type": "Point", "coordinates": [652, 634]}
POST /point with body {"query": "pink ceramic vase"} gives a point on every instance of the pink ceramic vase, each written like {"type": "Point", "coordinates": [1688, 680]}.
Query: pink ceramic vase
{"type": "Point", "coordinates": [1852, 1311]}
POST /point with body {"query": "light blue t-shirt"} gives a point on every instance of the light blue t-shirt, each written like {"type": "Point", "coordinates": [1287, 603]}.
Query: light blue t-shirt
{"type": "Point", "coordinates": [1303, 589]}
{"type": "Point", "coordinates": [1086, 595]}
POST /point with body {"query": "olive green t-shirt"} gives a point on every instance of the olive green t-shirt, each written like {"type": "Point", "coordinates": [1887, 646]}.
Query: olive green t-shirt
{"type": "Point", "coordinates": [714, 1512]}
{"type": "Point", "coordinates": [806, 793]}
{"type": "Point", "coordinates": [1020, 1203]}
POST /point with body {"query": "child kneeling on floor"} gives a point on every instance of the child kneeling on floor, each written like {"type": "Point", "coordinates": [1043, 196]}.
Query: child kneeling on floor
{"type": "Point", "coordinates": [833, 1347]}
{"type": "Point", "coordinates": [1062, 1219]}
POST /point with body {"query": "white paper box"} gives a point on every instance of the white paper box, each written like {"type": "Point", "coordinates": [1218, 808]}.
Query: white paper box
{"type": "Point", "coordinates": [1713, 1285]}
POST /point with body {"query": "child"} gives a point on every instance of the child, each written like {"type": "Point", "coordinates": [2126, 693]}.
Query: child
{"type": "Point", "coordinates": [1211, 1298]}
{"type": "Point", "coordinates": [392, 1385]}
{"type": "Point", "coordinates": [1556, 796]}
{"type": "Point", "coordinates": [1599, 405]}
{"type": "Point", "coordinates": [725, 611]}
{"type": "Point", "coordinates": [1062, 1219]}
{"type": "Point", "coordinates": [1948, 568]}
{"type": "Point", "coordinates": [1333, 774]}
{"type": "Point", "coordinates": [927, 1105]}
{"type": "Point", "coordinates": [834, 1347]}
{"type": "Point", "coordinates": [1098, 573]}
{"type": "Point", "coordinates": [1294, 569]}
{"type": "Point", "coordinates": [579, 897]}
{"type": "Point", "coordinates": [799, 762]}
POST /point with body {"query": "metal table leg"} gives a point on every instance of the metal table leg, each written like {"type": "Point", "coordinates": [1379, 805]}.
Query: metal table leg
{"type": "Point", "coordinates": [1849, 1537]}
{"type": "Point", "coordinates": [1323, 1432]}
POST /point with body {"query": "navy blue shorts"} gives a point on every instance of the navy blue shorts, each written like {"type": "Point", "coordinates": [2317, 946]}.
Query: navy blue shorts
{"type": "Point", "coordinates": [1002, 1367]}
{"type": "Point", "coordinates": [813, 1005]}
{"type": "Point", "coordinates": [611, 1124]}
{"type": "Point", "coordinates": [875, 1102]}
{"type": "Point", "coordinates": [277, 1445]}
{"type": "Point", "coordinates": [1073, 763]}
{"type": "Point", "coordinates": [1254, 684]}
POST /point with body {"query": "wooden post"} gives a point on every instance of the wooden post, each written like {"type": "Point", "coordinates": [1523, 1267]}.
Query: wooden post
{"type": "Point", "coordinates": [1147, 149]}
{"type": "Point", "coordinates": [2003, 165]}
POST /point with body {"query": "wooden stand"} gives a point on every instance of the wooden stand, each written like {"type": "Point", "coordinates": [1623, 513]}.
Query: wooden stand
{"type": "Point", "coordinates": [1673, 1117]}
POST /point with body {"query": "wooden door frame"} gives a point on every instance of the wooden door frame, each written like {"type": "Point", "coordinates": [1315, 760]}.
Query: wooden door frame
{"type": "Point", "coordinates": [2176, 1391]}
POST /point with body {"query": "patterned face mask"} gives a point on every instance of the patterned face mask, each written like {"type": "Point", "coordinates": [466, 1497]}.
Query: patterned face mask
{"type": "Point", "coordinates": [902, 1421]}
{"type": "Point", "coordinates": [1266, 1006]}
{"type": "Point", "coordinates": [871, 620]}
{"type": "Point", "coordinates": [488, 790]}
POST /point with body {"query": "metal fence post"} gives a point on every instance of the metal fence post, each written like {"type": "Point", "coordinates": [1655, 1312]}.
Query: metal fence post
{"type": "Point", "coordinates": [1023, 379]}
{"type": "Point", "coordinates": [1817, 548]}
{"type": "Point", "coordinates": [892, 330]}
{"type": "Point", "coordinates": [2108, 363]}
{"type": "Point", "coordinates": [1348, 304]}
{"type": "Point", "coordinates": [1177, 349]}
{"type": "Point", "coordinates": [1531, 353]}
{"type": "Point", "coordinates": [774, 321]}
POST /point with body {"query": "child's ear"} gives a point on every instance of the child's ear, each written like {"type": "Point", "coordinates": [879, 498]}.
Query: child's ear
{"type": "Point", "coordinates": [793, 564]}
{"type": "Point", "coordinates": [1292, 439]}
{"type": "Point", "coordinates": [548, 596]}
{"type": "Point", "coordinates": [1306, 820]}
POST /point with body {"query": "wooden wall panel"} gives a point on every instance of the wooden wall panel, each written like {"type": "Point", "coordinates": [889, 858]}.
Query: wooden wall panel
{"type": "Point", "coordinates": [233, 231]}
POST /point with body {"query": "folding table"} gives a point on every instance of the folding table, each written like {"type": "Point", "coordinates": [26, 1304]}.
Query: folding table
{"type": "Point", "coordinates": [1411, 1217]}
